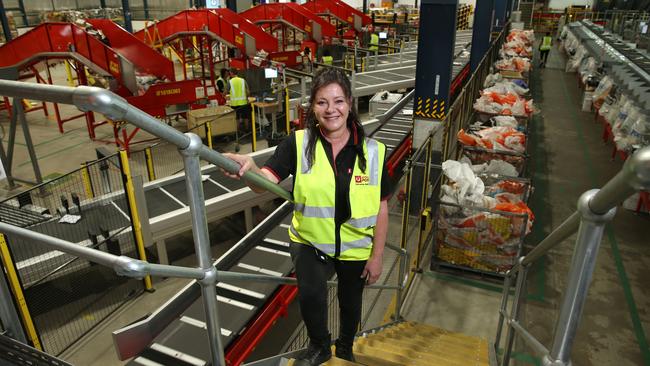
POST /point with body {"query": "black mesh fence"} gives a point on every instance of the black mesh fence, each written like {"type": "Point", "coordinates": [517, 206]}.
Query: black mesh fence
{"type": "Point", "coordinates": [66, 295]}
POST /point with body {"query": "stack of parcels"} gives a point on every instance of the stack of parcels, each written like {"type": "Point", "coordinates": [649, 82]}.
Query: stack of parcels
{"type": "Point", "coordinates": [503, 102]}
{"type": "Point", "coordinates": [504, 144]}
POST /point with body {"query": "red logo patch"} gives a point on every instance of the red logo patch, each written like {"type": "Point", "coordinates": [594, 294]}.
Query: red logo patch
{"type": "Point", "coordinates": [361, 179]}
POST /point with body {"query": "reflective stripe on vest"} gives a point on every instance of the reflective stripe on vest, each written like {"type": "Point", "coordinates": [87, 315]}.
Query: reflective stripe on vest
{"type": "Point", "coordinates": [546, 43]}
{"type": "Point", "coordinates": [328, 60]}
{"type": "Point", "coordinates": [374, 42]}
{"type": "Point", "coordinates": [237, 92]}
{"type": "Point", "coordinates": [314, 194]}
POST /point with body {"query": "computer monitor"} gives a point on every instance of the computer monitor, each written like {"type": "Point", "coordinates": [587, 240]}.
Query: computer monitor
{"type": "Point", "coordinates": [383, 35]}
{"type": "Point", "coordinates": [270, 73]}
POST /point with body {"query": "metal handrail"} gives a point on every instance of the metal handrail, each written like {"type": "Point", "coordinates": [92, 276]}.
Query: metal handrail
{"type": "Point", "coordinates": [116, 108]}
{"type": "Point", "coordinates": [192, 149]}
{"type": "Point", "coordinates": [595, 209]}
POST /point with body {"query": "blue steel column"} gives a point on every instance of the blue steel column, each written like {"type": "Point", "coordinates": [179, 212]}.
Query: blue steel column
{"type": "Point", "coordinates": [102, 4]}
{"type": "Point", "coordinates": [126, 11]}
{"type": "Point", "coordinates": [232, 5]}
{"type": "Point", "coordinates": [145, 4]}
{"type": "Point", "coordinates": [499, 14]}
{"type": "Point", "coordinates": [5, 22]}
{"type": "Point", "coordinates": [435, 58]}
{"type": "Point", "coordinates": [481, 31]}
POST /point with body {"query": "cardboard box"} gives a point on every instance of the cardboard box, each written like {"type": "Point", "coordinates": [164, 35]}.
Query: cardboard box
{"type": "Point", "coordinates": [222, 120]}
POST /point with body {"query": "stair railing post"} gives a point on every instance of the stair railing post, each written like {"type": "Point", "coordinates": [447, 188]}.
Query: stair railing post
{"type": "Point", "coordinates": [201, 236]}
{"type": "Point", "coordinates": [590, 234]}
{"type": "Point", "coordinates": [514, 312]}
{"type": "Point", "coordinates": [507, 282]}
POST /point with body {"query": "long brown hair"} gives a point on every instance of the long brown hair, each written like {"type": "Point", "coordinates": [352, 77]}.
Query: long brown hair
{"type": "Point", "coordinates": [323, 78]}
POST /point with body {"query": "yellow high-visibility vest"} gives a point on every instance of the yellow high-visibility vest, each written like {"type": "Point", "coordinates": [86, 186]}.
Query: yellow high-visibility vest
{"type": "Point", "coordinates": [238, 92]}
{"type": "Point", "coordinates": [328, 60]}
{"type": "Point", "coordinates": [313, 221]}
{"type": "Point", "coordinates": [374, 42]}
{"type": "Point", "coordinates": [546, 43]}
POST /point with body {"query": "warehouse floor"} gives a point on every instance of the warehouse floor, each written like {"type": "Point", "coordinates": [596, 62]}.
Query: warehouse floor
{"type": "Point", "coordinates": [567, 158]}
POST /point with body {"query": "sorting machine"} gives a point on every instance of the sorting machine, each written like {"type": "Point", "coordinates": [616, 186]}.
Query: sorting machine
{"type": "Point", "coordinates": [628, 66]}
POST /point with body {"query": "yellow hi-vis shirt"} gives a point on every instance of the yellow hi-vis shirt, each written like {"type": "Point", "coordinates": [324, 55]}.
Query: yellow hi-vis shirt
{"type": "Point", "coordinates": [328, 60]}
{"type": "Point", "coordinates": [237, 92]}
{"type": "Point", "coordinates": [313, 221]}
{"type": "Point", "coordinates": [546, 43]}
{"type": "Point", "coordinates": [374, 42]}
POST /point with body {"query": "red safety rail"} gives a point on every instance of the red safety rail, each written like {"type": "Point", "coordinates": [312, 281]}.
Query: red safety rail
{"type": "Point", "coordinates": [242, 347]}
{"type": "Point", "coordinates": [220, 23]}
{"type": "Point", "coordinates": [145, 59]}
{"type": "Point", "coordinates": [458, 82]}
{"type": "Point", "coordinates": [60, 40]}
{"type": "Point", "coordinates": [399, 155]}
{"type": "Point", "coordinates": [293, 14]}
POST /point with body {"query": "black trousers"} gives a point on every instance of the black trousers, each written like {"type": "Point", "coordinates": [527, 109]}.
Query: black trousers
{"type": "Point", "coordinates": [543, 55]}
{"type": "Point", "coordinates": [313, 271]}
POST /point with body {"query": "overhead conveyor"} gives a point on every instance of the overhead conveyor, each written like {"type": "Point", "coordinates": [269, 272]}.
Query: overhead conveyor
{"type": "Point", "coordinates": [293, 16]}
{"type": "Point", "coordinates": [224, 25]}
{"type": "Point", "coordinates": [121, 58]}
{"type": "Point", "coordinates": [341, 12]}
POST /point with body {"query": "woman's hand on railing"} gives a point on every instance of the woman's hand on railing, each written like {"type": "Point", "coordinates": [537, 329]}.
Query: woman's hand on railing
{"type": "Point", "coordinates": [245, 162]}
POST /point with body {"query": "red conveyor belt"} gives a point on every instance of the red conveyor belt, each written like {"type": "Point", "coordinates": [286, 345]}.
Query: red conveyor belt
{"type": "Point", "coordinates": [225, 24]}
{"type": "Point", "coordinates": [338, 9]}
{"type": "Point", "coordinates": [293, 14]}
{"type": "Point", "coordinates": [60, 40]}
{"type": "Point", "coordinates": [145, 58]}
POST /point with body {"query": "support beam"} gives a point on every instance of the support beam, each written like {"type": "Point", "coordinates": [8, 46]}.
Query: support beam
{"type": "Point", "coordinates": [365, 6]}
{"type": "Point", "coordinates": [145, 5]}
{"type": "Point", "coordinates": [5, 22]}
{"type": "Point", "coordinates": [499, 14]}
{"type": "Point", "coordinates": [481, 31]}
{"type": "Point", "coordinates": [102, 4]}
{"type": "Point", "coordinates": [509, 5]}
{"type": "Point", "coordinates": [21, 6]}
{"type": "Point", "coordinates": [435, 58]}
{"type": "Point", "coordinates": [232, 5]}
{"type": "Point", "coordinates": [126, 11]}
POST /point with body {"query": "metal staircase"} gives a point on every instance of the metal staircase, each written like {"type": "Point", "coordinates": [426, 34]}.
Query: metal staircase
{"type": "Point", "coordinates": [406, 343]}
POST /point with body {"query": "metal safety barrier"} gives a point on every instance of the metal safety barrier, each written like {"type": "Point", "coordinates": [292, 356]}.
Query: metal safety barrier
{"type": "Point", "coordinates": [191, 148]}
{"type": "Point", "coordinates": [596, 208]}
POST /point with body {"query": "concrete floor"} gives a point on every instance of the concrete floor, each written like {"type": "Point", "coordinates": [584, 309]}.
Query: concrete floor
{"type": "Point", "coordinates": [568, 158]}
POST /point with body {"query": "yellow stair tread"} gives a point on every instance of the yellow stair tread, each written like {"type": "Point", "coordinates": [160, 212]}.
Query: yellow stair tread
{"type": "Point", "coordinates": [409, 356]}
{"type": "Point", "coordinates": [461, 342]}
{"type": "Point", "coordinates": [382, 357]}
{"type": "Point", "coordinates": [421, 347]}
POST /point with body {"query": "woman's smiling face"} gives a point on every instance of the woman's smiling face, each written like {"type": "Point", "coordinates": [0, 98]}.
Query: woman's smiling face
{"type": "Point", "coordinates": [331, 108]}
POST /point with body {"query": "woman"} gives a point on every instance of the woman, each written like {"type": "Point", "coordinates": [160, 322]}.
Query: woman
{"type": "Point", "coordinates": [340, 213]}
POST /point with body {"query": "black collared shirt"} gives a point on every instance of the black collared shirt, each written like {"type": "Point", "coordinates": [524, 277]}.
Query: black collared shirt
{"type": "Point", "coordinates": [283, 163]}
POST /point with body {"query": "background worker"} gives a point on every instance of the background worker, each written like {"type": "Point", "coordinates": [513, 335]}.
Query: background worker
{"type": "Point", "coordinates": [327, 58]}
{"type": "Point", "coordinates": [340, 217]}
{"type": "Point", "coordinates": [222, 81]}
{"type": "Point", "coordinates": [374, 42]}
{"type": "Point", "coordinates": [545, 48]}
{"type": "Point", "coordinates": [239, 99]}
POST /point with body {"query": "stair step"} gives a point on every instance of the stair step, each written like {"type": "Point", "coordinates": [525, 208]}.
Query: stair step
{"type": "Point", "coordinates": [434, 347]}
{"type": "Point", "coordinates": [414, 344]}
{"type": "Point", "coordinates": [443, 356]}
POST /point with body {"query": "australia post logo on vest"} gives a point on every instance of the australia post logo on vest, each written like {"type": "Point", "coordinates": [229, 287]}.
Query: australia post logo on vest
{"type": "Point", "coordinates": [361, 180]}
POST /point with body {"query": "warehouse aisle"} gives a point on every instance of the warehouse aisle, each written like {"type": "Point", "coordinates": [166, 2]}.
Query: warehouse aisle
{"type": "Point", "coordinates": [568, 157]}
